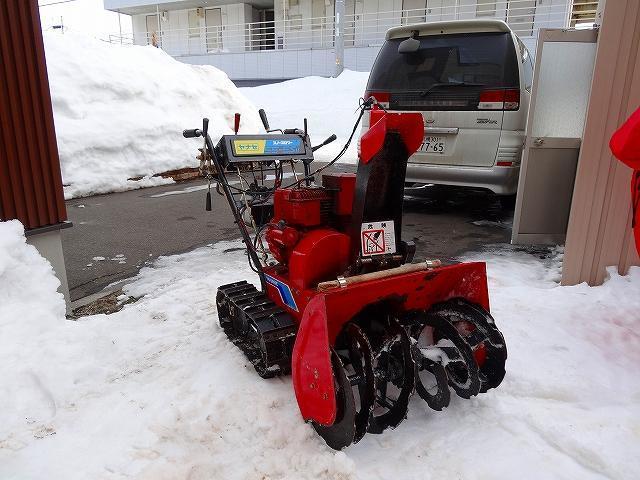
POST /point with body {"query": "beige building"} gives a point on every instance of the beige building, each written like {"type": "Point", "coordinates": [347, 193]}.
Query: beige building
{"type": "Point", "coordinates": [599, 230]}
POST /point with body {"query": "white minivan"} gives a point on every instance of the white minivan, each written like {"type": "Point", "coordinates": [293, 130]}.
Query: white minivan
{"type": "Point", "coordinates": [471, 80]}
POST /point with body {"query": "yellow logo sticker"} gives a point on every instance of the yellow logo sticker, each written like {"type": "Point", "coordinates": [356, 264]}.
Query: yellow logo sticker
{"type": "Point", "coordinates": [249, 147]}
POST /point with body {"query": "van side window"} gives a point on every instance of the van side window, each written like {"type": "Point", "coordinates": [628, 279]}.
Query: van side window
{"type": "Point", "coordinates": [527, 66]}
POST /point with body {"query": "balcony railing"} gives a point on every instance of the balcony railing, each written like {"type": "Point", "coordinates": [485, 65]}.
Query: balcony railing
{"type": "Point", "coordinates": [360, 30]}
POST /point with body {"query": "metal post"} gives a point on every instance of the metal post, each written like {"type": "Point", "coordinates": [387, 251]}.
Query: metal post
{"type": "Point", "coordinates": [119, 28]}
{"type": "Point", "coordinates": [159, 26]}
{"type": "Point", "coordinates": [339, 37]}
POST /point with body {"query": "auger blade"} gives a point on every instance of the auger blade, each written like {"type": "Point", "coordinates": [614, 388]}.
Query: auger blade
{"type": "Point", "coordinates": [439, 341]}
{"type": "Point", "coordinates": [484, 338]}
{"type": "Point", "coordinates": [360, 364]}
{"type": "Point", "coordinates": [394, 371]}
{"type": "Point", "coordinates": [431, 379]}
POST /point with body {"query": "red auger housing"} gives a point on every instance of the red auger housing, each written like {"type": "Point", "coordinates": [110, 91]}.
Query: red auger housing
{"type": "Point", "coordinates": [342, 307]}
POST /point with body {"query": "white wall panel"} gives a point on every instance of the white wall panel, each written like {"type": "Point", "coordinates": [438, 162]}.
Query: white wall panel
{"type": "Point", "coordinates": [289, 64]}
{"type": "Point", "coordinates": [251, 65]}
{"type": "Point", "coordinates": [304, 63]}
{"type": "Point", "coordinates": [276, 64]}
{"type": "Point", "coordinates": [264, 61]}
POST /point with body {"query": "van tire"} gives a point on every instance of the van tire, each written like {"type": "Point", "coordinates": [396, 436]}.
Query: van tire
{"type": "Point", "coordinates": [508, 202]}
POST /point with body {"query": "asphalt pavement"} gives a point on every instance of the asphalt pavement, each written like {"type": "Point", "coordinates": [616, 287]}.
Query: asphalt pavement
{"type": "Point", "coordinates": [114, 235]}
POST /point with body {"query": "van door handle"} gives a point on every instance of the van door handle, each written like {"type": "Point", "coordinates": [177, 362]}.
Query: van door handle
{"type": "Point", "coordinates": [441, 130]}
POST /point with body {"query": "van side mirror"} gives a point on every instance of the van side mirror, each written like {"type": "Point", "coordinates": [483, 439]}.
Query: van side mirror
{"type": "Point", "coordinates": [410, 45]}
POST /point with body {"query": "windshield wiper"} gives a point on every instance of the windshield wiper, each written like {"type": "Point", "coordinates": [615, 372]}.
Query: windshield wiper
{"type": "Point", "coordinates": [451, 84]}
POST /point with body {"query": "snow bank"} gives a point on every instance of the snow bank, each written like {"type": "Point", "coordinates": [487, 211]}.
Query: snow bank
{"type": "Point", "coordinates": [27, 283]}
{"type": "Point", "coordinates": [156, 391]}
{"type": "Point", "coordinates": [330, 105]}
{"type": "Point", "coordinates": [120, 111]}
{"type": "Point", "coordinates": [30, 310]}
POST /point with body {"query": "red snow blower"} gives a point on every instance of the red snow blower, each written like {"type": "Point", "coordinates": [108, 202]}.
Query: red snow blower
{"type": "Point", "coordinates": [340, 305]}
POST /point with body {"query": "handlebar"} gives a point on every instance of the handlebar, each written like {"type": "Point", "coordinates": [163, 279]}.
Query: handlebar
{"type": "Point", "coordinates": [326, 142]}
{"type": "Point", "coordinates": [192, 133]}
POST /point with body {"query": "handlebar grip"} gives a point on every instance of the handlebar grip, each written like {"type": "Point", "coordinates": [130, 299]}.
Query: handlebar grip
{"type": "Point", "coordinates": [192, 133]}
{"type": "Point", "coordinates": [205, 126]}
{"type": "Point", "coordinates": [263, 117]}
{"type": "Point", "coordinates": [326, 142]}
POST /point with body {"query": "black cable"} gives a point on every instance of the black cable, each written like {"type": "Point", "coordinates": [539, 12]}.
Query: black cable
{"type": "Point", "coordinates": [364, 105]}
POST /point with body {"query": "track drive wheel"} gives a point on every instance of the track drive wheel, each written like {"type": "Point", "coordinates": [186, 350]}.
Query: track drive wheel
{"type": "Point", "coordinates": [394, 372]}
{"type": "Point", "coordinates": [343, 430]}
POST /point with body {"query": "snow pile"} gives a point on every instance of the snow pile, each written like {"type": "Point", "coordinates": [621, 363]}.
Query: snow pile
{"type": "Point", "coordinates": [25, 276]}
{"type": "Point", "coordinates": [330, 105]}
{"type": "Point", "coordinates": [30, 310]}
{"type": "Point", "coordinates": [120, 111]}
{"type": "Point", "coordinates": [156, 391]}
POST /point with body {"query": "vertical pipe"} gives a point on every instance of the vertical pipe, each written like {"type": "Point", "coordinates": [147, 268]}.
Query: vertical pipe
{"type": "Point", "coordinates": [119, 27]}
{"type": "Point", "coordinates": [339, 36]}
{"type": "Point", "coordinates": [159, 28]}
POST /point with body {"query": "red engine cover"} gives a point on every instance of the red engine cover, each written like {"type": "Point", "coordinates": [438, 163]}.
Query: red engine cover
{"type": "Point", "coordinates": [343, 186]}
{"type": "Point", "coordinates": [300, 206]}
{"type": "Point", "coordinates": [319, 256]}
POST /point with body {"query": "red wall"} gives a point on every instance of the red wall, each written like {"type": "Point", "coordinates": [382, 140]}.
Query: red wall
{"type": "Point", "coordinates": [30, 179]}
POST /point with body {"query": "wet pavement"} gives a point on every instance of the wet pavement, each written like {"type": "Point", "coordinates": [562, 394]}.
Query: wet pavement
{"type": "Point", "coordinates": [115, 235]}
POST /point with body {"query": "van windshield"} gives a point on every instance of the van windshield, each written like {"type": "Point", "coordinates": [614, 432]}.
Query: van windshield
{"type": "Point", "coordinates": [473, 59]}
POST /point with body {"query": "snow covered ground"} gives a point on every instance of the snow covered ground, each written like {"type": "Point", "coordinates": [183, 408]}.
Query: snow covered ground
{"type": "Point", "coordinates": [156, 391]}
{"type": "Point", "coordinates": [330, 105]}
{"type": "Point", "coordinates": [120, 111]}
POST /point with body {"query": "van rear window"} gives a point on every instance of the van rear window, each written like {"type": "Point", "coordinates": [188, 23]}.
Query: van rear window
{"type": "Point", "coordinates": [481, 59]}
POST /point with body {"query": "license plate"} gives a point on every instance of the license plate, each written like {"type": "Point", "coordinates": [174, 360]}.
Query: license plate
{"type": "Point", "coordinates": [436, 145]}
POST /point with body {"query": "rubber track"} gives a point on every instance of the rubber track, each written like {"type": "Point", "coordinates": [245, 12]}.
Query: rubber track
{"type": "Point", "coordinates": [262, 330]}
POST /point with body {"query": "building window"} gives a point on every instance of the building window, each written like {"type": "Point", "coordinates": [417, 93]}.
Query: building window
{"type": "Point", "coordinates": [295, 22]}
{"type": "Point", "coordinates": [485, 8]}
{"type": "Point", "coordinates": [194, 24]}
{"type": "Point", "coordinates": [153, 30]}
{"type": "Point", "coordinates": [413, 11]}
{"type": "Point", "coordinates": [318, 12]}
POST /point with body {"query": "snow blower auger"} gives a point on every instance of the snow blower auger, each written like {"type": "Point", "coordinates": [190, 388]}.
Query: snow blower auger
{"type": "Point", "coordinates": [340, 305]}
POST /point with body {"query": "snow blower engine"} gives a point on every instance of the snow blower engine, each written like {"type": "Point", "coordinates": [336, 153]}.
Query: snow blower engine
{"type": "Point", "coordinates": [340, 305]}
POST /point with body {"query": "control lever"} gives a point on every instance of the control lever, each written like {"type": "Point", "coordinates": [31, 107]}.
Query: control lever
{"type": "Point", "coordinates": [205, 127]}
{"type": "Point", "coordinates": [326, 142]}
{"type": "Point", "coordinates": [205, 130]}
{"type": "Point", "coordinates": [263, 117]}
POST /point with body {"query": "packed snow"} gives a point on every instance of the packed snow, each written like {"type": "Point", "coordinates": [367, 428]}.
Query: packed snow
{"type": "Point", "coordinates": [329, 104]}
{"type": "Point", "coordinates": [156, 391]}
{"type": "Point", "coordinates": [120, 111]}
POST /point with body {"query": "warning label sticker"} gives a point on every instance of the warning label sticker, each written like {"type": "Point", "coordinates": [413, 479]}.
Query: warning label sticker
{"type": "Point", "coordinates": [377, 238]}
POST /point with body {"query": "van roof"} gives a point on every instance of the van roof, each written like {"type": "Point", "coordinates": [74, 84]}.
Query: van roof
{"type": "Point", "coordinates": [452, 26]}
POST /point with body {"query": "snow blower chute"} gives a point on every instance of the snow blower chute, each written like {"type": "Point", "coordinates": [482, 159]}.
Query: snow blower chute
{"type": "Point", "coordinates": [340, 306]}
